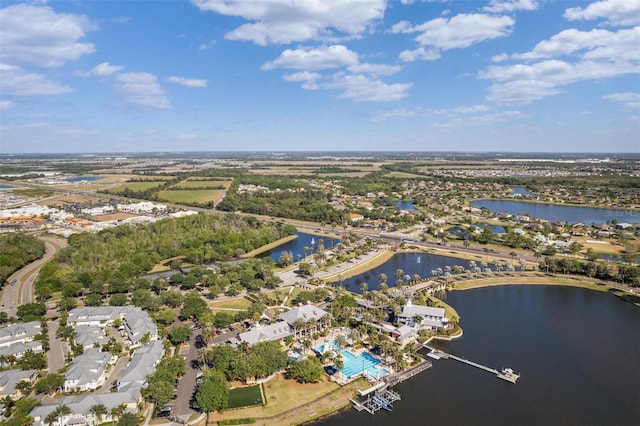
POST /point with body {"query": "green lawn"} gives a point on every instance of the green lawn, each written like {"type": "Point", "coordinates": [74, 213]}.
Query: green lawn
{"type": "Point", "coordinates": [135, 186]}
{"type": "Point", "coordinates": [199, 196]}
{"type": "Point", "coordinates": [245, 397]}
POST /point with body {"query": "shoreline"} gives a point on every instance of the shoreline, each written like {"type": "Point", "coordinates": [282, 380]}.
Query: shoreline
{"type": "Point", "coordinates": [269, 246]}
{"type": "Point", "coordinates": [360, 267]}
{"type": "Point", "coordinates": [631, 208]}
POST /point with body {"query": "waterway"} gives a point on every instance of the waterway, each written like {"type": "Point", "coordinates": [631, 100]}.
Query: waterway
{"type": "Point", "coordinates": [405, 205]}
{"type": "Point", "coordinates": [6, 187]}
{"type": "Point", "coordinates": [410, 263]}
{"type": "Point", "coordinates": [552, 212]}
{"type": "Point", "coordinates": [520, 190]}
{"type": "Point", "coordinates": [297, 246]}
{"type": "Point", "coordinates": [576, 350]}
{"type": "Point", "coordinates": [83, 179]}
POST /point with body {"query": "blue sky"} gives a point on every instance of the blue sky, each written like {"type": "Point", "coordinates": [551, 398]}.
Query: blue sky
{"type": "Point", "coordinates": [320, 75]}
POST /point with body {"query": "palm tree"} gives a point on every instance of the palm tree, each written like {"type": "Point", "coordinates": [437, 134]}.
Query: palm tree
{"type": "Point", "coordinates": [297, 326]}
{"type": "Point", "coordinates": [382, 279]}
{"type": "Point", "coordinates": [61, 411]}
{"type": "Point", "coordinates": [399, 274]}
{"type": "Point", "coordinates": [341, 341]}
{"type": "Point", "coordinates": [306, 344]}
{"type": "Point", "coordinates": [117, 411]}
{"type": "Point", "coordinates": [364, 287]}
{"type": "Point", "coordinates": [306, 251]}
{"type": "Point", "coordinates": [99, 410]}
{"type": "Point", "coordinates": [51, 418]}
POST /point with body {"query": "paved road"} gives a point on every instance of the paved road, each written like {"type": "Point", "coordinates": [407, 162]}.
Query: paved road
{"type": "Point", "coordinates": [187, 384]}
{"type": "Point", "coordinates": [14, 295]}
{"type": "Point", "coordinates": [56, 354]}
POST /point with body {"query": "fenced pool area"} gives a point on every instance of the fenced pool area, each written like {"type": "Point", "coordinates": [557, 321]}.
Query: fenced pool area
{"type": "Point", "coordinates": [362, 362]}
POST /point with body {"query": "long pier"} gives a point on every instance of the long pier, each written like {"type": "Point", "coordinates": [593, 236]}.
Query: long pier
{"type": "Point", "coordinates": [506, 374]}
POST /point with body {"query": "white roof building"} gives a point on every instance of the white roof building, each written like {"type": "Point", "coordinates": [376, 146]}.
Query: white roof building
{"type": "Point", "coordinates": [303, 312]}
{"type": "Point", "coordinates": [10, 378]}
{"type": "Point", "coordinates": [431, 318]}
{"type": "Point", "coordinates": [266, 333]}
{"type": "Point", "coordinates": [143, 363]}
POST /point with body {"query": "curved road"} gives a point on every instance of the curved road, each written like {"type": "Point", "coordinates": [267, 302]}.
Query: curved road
{"type": "Point", "coordinates": [19, 287]}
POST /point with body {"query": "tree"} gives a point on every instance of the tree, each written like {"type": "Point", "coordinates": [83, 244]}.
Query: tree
{"type": "Point", "coordinates": [49, 383]}
{"type": "Point", "coordinates": [179, 335]}
{"type": "Point", "coordinates": [99, 410]}
{"type": "Point", "coordinates": [128, 419]}
{"type": "Point", "coordinates": [118, 411]}
{"type": "Point", "coordinates": [213, 393]}
{"type": "Point", "coordinates": [31, 311]}
{"type": "Point", "coordinates": [62, 411]}
{"type": "Point", "coordinates": [308, 370]}
{"type": "Point", "coordinates": [161, 391]}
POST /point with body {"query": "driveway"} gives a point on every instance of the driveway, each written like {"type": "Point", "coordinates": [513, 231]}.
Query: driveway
{"type": "Point", "coordinates": [187, 384]}
{"type": "Point", "coordinates": [56, 354]}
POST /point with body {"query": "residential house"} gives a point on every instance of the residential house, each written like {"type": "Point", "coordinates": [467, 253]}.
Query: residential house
{"type": "Point", "coordinates": [88, 371]}
{"type": "Point", "coordinates": [143, 363]}
{"type": "Point", "coordinates": [10, 378]}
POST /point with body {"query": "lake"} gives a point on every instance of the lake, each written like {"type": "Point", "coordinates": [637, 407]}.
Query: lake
{"type": "Point", "coordinates": [520, 190]}
{"type": "Point", "coordinates": [552, 212]}
{"type": "Point", "coordinates": [83, 179]}
{"type": "Point", "coordinates": [6, 186]}
{"type": "Point", "coordinates": [297, 246]}
{"type": "Point", "coordinates": [576, 351]}
{"type": "Point", "coordinates": [411, 263]}
{"type": "Point", "coordinates": [405, 205]}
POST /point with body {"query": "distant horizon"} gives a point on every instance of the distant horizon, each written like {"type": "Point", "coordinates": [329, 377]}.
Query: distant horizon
{"type": "Point", "coordinates": [517, 154]}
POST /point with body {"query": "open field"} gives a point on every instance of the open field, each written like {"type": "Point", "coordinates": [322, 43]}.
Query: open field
{"type": "Point", "coordinates": [134, 186]}
{"type": "Point", "coordinates": [233, 303]}
{"type": "Point", "coordinates": [198, 196]}
{"type": "Point", "coordinates": [404, 175]}
{"type": "Point", "coordinates": [190, 183]}
{"type": "Point", "coordinates": [68, 199]}
{"type": "Point", "coordinates": [113, 216]}
{"type": "Point", "coordinates": [289, 402]}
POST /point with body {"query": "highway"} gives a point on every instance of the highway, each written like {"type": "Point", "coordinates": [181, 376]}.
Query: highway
{"type": "Point", "coordinates": [19, 287]}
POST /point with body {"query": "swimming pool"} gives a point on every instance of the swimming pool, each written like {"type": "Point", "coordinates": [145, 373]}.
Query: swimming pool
{"type": "Point", "coordinates": [330, 346]}
{"type": "Point", "coordinates": [364, 361]}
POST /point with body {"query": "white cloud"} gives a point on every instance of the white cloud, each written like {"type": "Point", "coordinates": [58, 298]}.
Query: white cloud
{"type": "Point", "coordinates": [458, 32]}
{"type": "Point", "coordinates": [286, 21]}
{"type": "Point", "coordinates": [314, 59]}
{"type": "Point", "coordinates": [188, 82]}
{"type": "Point", "coordinates": [308, 79]}
{"type": "Point", "coordinates": [420, 112]}
{"type": "Point", "coordinates": [628, 99]}
{"type": "Point", "coordinates": [362, 88]}
{"type": "Point", "coordinates": [375, 69]}
{"type": "Point", "coordinates": [104, 69]}
{"type": "Point", "coordinates": [614, 12]}
{"type": "Point", "coordinates": [500, 6]}
{"type": "Point", "coordinates": [38, 35]}
{"type": "Point", "coordinates": [500, 58]}
{"type": "Point", "coordinates": [585, 56]}
{"type": "Point", "coordinates": [17, 82]}
{"type": "Point", "coordinates": [602, 43]}
{"type": "Point", "coordinates": [419, 53]}
{"type": "Point", "coordinates": [142, 89]}
{"type": "Point", "coordinates": [463, 30]}
{"type": "Point", "coordinates": [6, 105]}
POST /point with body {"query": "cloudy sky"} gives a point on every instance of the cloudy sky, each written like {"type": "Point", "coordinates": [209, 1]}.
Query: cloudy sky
{"type": "Point", "coordinates": [320, 75]}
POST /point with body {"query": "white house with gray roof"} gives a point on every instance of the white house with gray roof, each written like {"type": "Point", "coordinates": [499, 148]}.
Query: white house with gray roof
{"type": "Point", "coordinates": [136, 322]}
{"type": "Point", "coordinates": [143, 363]}
{"type": "Point", "coordinates": [422, 317]}
{"type": "Point", "coordinates": [88, 371]}
{"type": "Point", "coordinates": [88, 336]}
{"type": "Point", "coordinates": [80, 406]}
{"type": "Point", "coordinates": [10, 378]}
{"type": "Point", "coordinates": [17, 339]}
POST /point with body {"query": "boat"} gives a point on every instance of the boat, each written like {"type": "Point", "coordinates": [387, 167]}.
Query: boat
{"type": "Point", "coordinates": [313, 241]}
{"type": "Point", "coordinates": [508, 375]}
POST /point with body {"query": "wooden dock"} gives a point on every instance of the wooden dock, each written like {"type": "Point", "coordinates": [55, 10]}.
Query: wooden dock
{"type": "Point", "coordinates": [394, 379]}
{"type": "Point", "coordinates": [506, 373]}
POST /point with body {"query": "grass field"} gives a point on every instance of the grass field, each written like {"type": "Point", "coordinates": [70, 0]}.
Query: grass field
{"type": "Point", "coordinates": [234, 303]}
{"type": "Point", "coordinates": [203, 184]}
{"type": "Point", "coordinates": [245, 397]}
{"type": "Point", "coordinates": [199, 196]}
{"type": "Point", "coordinates": [134, 186]}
